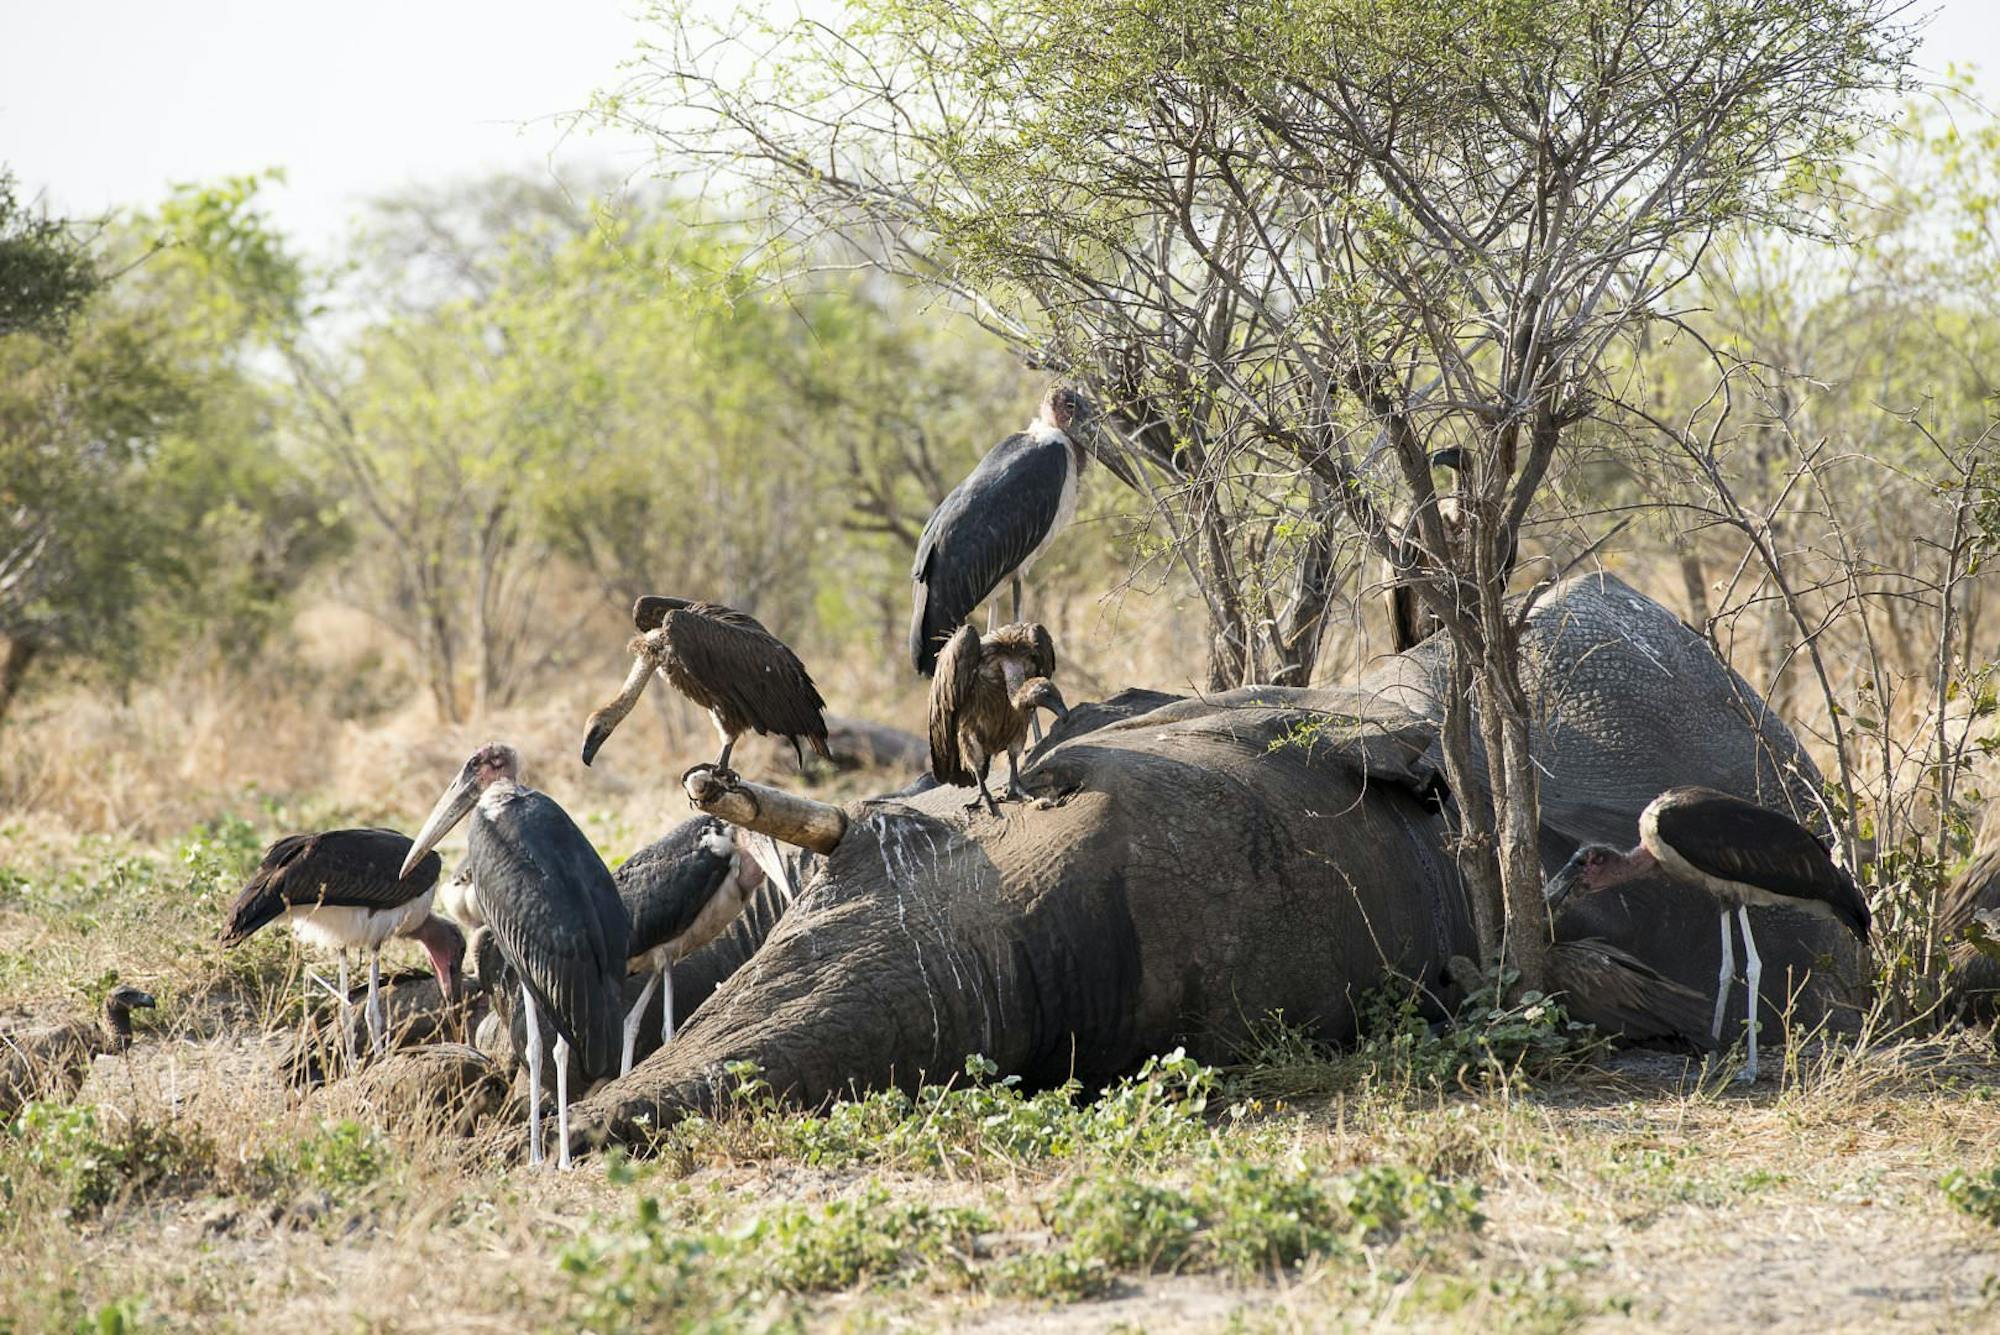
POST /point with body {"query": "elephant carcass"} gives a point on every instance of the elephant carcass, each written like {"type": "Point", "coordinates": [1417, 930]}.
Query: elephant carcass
{"type": "Point", "coordinates": [1199, 863]}
{"type": "Point", "coordinates": [1968, 924]}
{"type": "Point", "coordinates": [1630, 702]}
{"type": "Point", "coordinates": [1181, 877]}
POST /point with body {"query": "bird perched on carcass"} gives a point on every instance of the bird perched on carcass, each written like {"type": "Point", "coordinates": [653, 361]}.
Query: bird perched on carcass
{"type": "Point", "coordinates": [1741, 854]}
{"type": "Point", "coordinates": [680, 892]}
{"type": "Point", "coordinates": [350, 890]}
{"type": "Point", "coordinates": [50, 1061]}
{"type": "Point", "coordinates": [984, 694]}
{"type": "Point", "coordinates": [993, 526]}
{"type": "Point", "coordinates": [725, 662]}
{"type": "Point", "coordinates": [554, 914]}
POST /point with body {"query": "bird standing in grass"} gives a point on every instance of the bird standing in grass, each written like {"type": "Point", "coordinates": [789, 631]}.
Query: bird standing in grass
{"type": "Point", "coordinates": [725, 662]}
{"type": "Point", "coordinates": [553, 912]}
{"type": "Point", "coordinates": [681, 892]}
{"type": "Point", "coordinates": [50, 1061]}
{"type": "Point", "coordinates": [351, 890]}
{"type": "Point", "coordinates": [1741, 854]}
{"type": "Point", "coordinates": [984, 695]}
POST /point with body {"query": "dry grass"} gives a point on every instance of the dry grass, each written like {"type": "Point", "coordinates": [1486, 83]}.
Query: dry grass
{"type": "Point", "coordinates": [1629, 1193]}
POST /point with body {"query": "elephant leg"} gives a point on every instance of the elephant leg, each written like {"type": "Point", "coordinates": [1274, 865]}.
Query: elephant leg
{"type": "Point", "coordinates": [1753, 972]}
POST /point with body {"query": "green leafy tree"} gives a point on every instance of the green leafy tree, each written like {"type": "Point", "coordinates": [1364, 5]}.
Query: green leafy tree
{"type": "Point", "coordinates": [1298, 245]}
{"type": "Point", "coordinates": [145, 502]}
{"type": "Point", "coordinates": [46, 269]}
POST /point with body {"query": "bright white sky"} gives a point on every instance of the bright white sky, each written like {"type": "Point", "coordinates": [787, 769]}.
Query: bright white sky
{"type": "Point", "coordinates": [106, 102]}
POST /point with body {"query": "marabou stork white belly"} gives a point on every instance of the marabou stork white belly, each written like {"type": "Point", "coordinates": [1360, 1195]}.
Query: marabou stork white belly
{"type": "Point", "coordinates": [351, 927]}
{"type": "Point", "coordinates": [1065, 504]}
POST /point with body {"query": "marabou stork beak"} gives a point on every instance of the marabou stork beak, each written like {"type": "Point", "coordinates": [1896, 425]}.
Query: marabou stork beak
{"type": "Point", "coordinates": [1562, 885]}
{"type": "Point", "coordinates": [600, 724]}
{"type": "Point", "coordinates": [457, 802]}
{"type": "Point", "coordinates": [1105, 447]}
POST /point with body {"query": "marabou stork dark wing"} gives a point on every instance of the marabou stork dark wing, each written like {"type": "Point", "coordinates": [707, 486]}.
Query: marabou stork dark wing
{"type": "Point", "coordinates": [555, 911]}
{"type": "Point", "coordinates": [951, 695]}
{"type": "Point", "coordinates": [981, 533]}
{"type": "Point", "coordinates": [745, 671]}
{"type": "Point", "coordinates": [346, 868]}
{"type": "Point", "coordinates": [1625, 997]}
{"type": "Point", "coordinates": [665, 884]}
{"type": "Point", "coordinates": [1735, 840]}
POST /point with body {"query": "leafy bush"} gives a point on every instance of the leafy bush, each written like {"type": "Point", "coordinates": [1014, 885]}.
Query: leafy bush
{"type": "Point", "coordinates": [649, 1273]}
{"type": "Point", "coordinates": [89, 1167]}
{"type": "Point", "coordinates": [1494, 1038]}
{"type": "Point", "coordinates": [811, 1249]}
{"type": "Point", "coordinates": [1159, 1111]}
{"type": "Point", "coordinates": [1238, 1217]}
{"type": "Point", "coordinates": [1978, 1195]}
{"type": "Point", "coordinates": [342, 1159]}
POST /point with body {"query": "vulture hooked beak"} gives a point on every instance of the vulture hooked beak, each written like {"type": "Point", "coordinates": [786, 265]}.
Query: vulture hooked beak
{"type": "Point", "coordinates": [453, 807]}
{"type": "Point", "coordinates": [601, 722]}
{"type": "Point", "coordinates": [130, 998]}
{"type": "Point", "coordinates": [1046, 696]}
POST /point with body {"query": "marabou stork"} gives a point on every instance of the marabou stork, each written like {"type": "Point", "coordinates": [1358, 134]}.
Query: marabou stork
{"type": "Point", "coordinates": [554, 914]}
{"type": "Point", "coordinates": [680, 891]}
{"type": "Point", "coordinates": [995, 523]}
{"type": "Point", "coordinates": [1740, 853]}
{"type": "Point", "coordinates": [51, 1061]}
{"type": "Point", "coordinates": [343, 890]}
{"type": "Point", "coordinates": [984, 695]}
{"type": "Point", "coordinates": [725, 662]}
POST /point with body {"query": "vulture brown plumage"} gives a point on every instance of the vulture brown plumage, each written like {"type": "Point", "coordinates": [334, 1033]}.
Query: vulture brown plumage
{"type": "Point", "coordinates": [983, 697]}
{"type": "Point", "coordinates": [725, 662]}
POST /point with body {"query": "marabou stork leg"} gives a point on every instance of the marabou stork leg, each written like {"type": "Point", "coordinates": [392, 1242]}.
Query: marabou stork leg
{"type": "Point", "coordinates": [1722, 982]}
{"type": "Point", "coordinates": [632, 1019]}
{"type": "Point", "coordinates": [534, 1022]}
{"type": "Point", "coordinates": [562, 1103]}
{"type": "Point", "coordinates": [667, 1005]}
{"type": "Point", "coordinates": [1017, 595]}
{"type": "Point", "coordinates": [377, 1024]}
{"type": "Point", "coordinates": [1753, 971]}
{"type": "Point", "coordinates": [346, 1014]}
